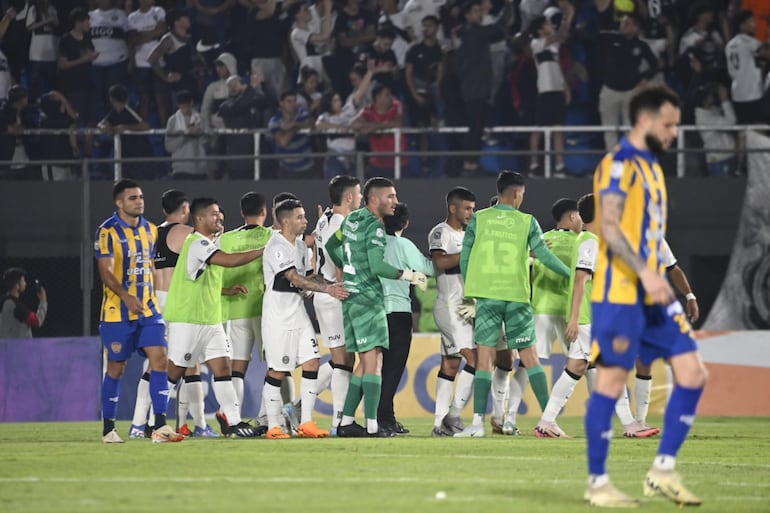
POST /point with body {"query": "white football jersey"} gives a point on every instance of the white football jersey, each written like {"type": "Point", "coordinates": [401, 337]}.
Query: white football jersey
{"type": "Point", "coordinates": [587, 252]}
{"type": "Point", "coordinates": [283, 301]}
{"type": "Point", "coordinates": [108, 34]}
{"type": "Point", "coordinates": [449, 282]}
{"type": "Point", "coordinates": [327, 225]}
{"type": "Point", "coordinates": [741, 64]}
{"type": "Point", "coordinates": [139, 21]}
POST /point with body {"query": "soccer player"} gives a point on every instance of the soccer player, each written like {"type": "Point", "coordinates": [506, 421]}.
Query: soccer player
{"type": "Point", "coordinates": [358, 247]}
{"type": "Point", "coordinates": [445, 242]}
{"type": "Point", "coordinates": [345, 195]}
{"type": "Point", "coordinates": [495, 265]}
{"type": "Point", "coordinates": [243, 312]}
{"type": "Point", "coordinates": [131, 319]}
{"type": "Point", "coordinates": [194, 309]}
{"type": "Point", "coordinates": [400, 252]}
{"type": "Point", "coordinates": [290, 340]}
{"type": "Point", "coordinates": [634, 311]}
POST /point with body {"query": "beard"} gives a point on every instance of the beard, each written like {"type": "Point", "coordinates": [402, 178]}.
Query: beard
{"type": "Point", "coordinates": [654, 145]}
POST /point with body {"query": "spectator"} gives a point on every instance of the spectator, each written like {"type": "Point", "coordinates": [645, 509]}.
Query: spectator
{"type": "Point", "coordinates": [245, 107]}
{"type": "Point", "coordinates": [76, 56]}
{"type": "Point", "coordinates": [285, 126]}
{"type": "Point", "coordinates": [42, 23]}
{"type": "Point", "coordinates": [702, 15]}
{"type": "Point", "coordinates": [381, 55]}
{"type": "Point", "coordinates": [659, 27]}
{"type": "Point", "coordinates": [212, 16]}
{"type": "Point", "coordinates": [308, 95]}
{"type": "Point", "coordinates": [417, 10]}
{"type": "Point", "coordinates": [184, 140]}
{"type": "Point", "coordinates": [56, 113]}
{"type": "Point", "coordinates": [319, 11]}
{"type": "Point", "coordinates": [336, 115]}
{"type": "Point", "coordinates": [146, 26]}
{"type": "Point", "coordinates": [553, 93]}
{"type": "Point", "coordinates": [703, 42]}
{"type": "Point", "coordinates": [174, 60]}
{"type": "Point", "coordinates": [713, 110]}
{"type": "Point", "coordinates": [384, 112]}
{"type": "Point", "coordinates": [498, 51]}
{"type": "Point", "coordinates": [396, 19]}
{"type": "Point", "coordinates": [423, 62]}
{"type": "Point", "coordinates": [267, 40]}
{"type": "Point", "coordinates": [454, 108]}
{"type": "Point", "coordinates": [761, 11]}
{"type": "Point", "coordinates": [531, 9]}
{"type": "Point", "coordinates": [5, 70]}
{"type": "Point", "coordinates": [109, 34]}
{"type": "Point", "coordinates": [216, 92]}
{"type": "Point", "coordinates": [474, 65]}
{"type": "Point", "coordinates": [742, 52]}
{"type": "Point", "coordinates": [358, 76]}
{"type": "Point", "coordinates": [120, 119]}
{"type": "Point", "coordinates": [16, 319]}
{"type": "Point", "coordinates": [627, 62]}
{"type": "Point", "coordinates": [311, 43]}
{"type": "Point", "coordinates": [355, 27]}
{"type": "Point", "coordinates": [17, 38]}
{"type": "Point", "coordinates": [16, 115]}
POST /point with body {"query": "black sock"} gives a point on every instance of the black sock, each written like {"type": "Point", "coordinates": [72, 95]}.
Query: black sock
{"type": "Point", "coordinates": [109, 425]}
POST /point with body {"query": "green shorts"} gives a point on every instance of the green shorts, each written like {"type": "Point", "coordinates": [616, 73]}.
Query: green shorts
{"type": "Point", "coordinates": [366, 326]}
{"type": "Point", "coordinates": [518, 319]}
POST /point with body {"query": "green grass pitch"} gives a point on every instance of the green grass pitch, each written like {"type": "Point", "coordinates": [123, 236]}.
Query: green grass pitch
{"type": "Point", "coordinates": [59, 468]}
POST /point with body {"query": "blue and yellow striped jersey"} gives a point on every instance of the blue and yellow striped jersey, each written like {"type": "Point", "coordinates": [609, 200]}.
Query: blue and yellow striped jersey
{"type": "Point", "coordinates": [133, 249]}
{"type": "Point", "coordinates": [637, 175]}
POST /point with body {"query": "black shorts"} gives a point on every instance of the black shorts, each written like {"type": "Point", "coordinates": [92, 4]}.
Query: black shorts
{"type": "Point", "coordinates": [550, 109]}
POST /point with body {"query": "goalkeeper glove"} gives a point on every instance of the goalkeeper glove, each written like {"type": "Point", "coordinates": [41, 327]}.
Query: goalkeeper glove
{"type": "Point", "coordinates": [415, 278]}
{"type": "Point", "coordinates": [467, 310]}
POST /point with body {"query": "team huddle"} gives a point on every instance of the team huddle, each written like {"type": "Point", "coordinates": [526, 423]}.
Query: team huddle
{"type": "Point", "coordinates": [185, 295]}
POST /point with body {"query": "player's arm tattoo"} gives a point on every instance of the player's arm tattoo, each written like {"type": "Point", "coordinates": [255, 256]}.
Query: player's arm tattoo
{"type": "Point", "coordinates": [612, 206]}
{"type": "Point", "coordinates": [306, 282]}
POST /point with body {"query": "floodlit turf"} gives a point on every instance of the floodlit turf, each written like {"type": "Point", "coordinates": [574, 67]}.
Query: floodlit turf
{"type": "Point", "coordinates": [64, 467]}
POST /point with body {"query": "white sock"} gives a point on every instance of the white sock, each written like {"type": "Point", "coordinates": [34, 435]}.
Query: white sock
{"type": "Point", "coordinates": [623, 409]}
{"type": "Point", "coordinates": [238, 386]}
{"type": "Point", "coordinates": [325, 373]}
{"type": "Point", "coordinates": [307, 390]}
{"type": "Point", "coordinates": [463, 393]}
{"type": "Point", "coordinates": [287, 390]}
{"type": "Point", "coordinates": [196, 406]}
{"type": "Point", "coordinates": [143, 403]}
{"type": "Point", "coordinates": [591, 379]}
{"type": "Point", "coordinates": [664, 462]}
{"type": "Point", "coordinates": [182, 401]}
{"type": "Point", "coordinates": [225, 394]}
{"type": "Point", "coordinates": [262, 413]}
{"type": "Point", "coordinates": [516, 392]}
{"type": "Point", "coordinates": [347, 420]}
{"type": "Point", "coordinates": [271, 398]}
{"type": "Point", "coordinates": [669, 382]}
{"type": "Point", "coordinates": [478, 419]}
{"type": "Point", "coordinates": [595, 481]}
{"type": "Point", "coordinates": [443, 399]}
{"type": "Point", "coordinates": [642, 392]}
{"type": "Point", "coordinates": [560, 393]}
{"type": "Point", "coordinates": [500, 388]}
{"type": "Point", "coordinates": [372, 426]}
{"type": "Point", "coordinates": [339, 383]}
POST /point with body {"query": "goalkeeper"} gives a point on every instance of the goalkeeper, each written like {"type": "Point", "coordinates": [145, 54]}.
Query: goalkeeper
{"type": "Point", "coordinates": [358, 247]}
{"type": "Point", "coordinates": [495, 265]}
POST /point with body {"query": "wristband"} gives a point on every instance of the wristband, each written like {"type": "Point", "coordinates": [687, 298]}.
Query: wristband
{"type": "Point", "coordinates": [690, 296]}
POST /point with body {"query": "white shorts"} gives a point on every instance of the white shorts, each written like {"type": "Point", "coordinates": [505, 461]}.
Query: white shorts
{"type": "Point", "coordinates": [287, 349]}
{"type": "Point", "coordinates": [162, 296]}
{"type": "Point", "coordinates": [580, 349]}
{"type": "Point", "coordinates": [191, 344]}
{"type": "Point", "coordinates": [548, 328]}
{"type": "Point", "coordinates": [243, 335]}
{"type": "Point", "coordinates": [456, 334]}
{"type": "Point", "coordinates": [328, 311]}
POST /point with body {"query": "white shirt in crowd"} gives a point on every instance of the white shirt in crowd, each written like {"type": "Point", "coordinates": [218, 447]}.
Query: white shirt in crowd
{"type": "Point", "coordinates": [108, 34]}
{"type": "Point", "coordinates": [549, 74]}
{"type": "Point", "coordinates": [741, 64]}
{"type": "Point", "coordinates": [139, 21]}
{"type": "Point", "coordinates": [415, 10]}
{"type": "Point", "coordinates": [44, 44]}
{"type": "Point", "coordinates": [707, 120]}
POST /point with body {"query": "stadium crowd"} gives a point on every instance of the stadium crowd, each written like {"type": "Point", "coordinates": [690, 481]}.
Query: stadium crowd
{"type": "Point", "coordinates": [189, 67]}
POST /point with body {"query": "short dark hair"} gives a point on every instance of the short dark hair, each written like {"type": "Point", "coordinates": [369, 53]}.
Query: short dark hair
{"type": "Point", "coordinates": [535, 25]}
{"type": "Point", "coordinates": [493, 200]}
{"type": "Point", "coordinates": [508, 179]}
{"type": "Point", "coordinates": [378, 88]}
{"type": "Point", "coordinates": [198, 205]}
{"type": "Point", "coordinates": [459, 194]}
{"type": "Point", "coordinates": [466, 7]}
{"type": "Point", "coordinates": [378, 182]}
{"type": "Point", "coordinates": [387, 31]}
{"type": "Point", "coordinates": [327, 99]}
{"type": "Point", "coordinates": [306, 72]}
{"type": "Point", "coordinates": [281, 196]}
{"type": "Point", "coordinates": [359, 69]}
{"type": "Point", "coordinates": [398, 220]}
{"type": "Point", "coordinates": [77, 15]}
{"type": "Point", "coordinates": [172, 200]}
{"type": "Point", "coordinates": [431, 18]}
{"type": "Point", "coordinates": [283, 209]}
{"type": "Point", "coordinates": [122, 185]}
{"type": "Point", "coordinates": [294, 10]}
{"type": "Point", "coordinates": [587, 208]}
{"type": "Point", "coordinates": [651, 98]}
{"type": "Point", "coordinates": [11, 277]}
{"type": "Point", "coordinates": [184, 96]}
{"type": "Point", "coordinates": [16, 93]}
{"type": "Point", "coordinates": [739, 18]}
{"type": "Point", "coordinates": [286, 94]}
{"type": "Point", "coordinates": [338, 185]}
{"type": "Point", "coordinates": [563, 206]}
{"type": "Point", "coordinates": [252, 204]}
{"type": "Point", "coordinates": [119, 93]}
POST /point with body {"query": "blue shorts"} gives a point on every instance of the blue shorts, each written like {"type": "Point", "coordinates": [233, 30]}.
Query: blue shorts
{"type": "Point", "coordinates": [121, 339]}
{"type": "Point", "coordinates": [621, 333]}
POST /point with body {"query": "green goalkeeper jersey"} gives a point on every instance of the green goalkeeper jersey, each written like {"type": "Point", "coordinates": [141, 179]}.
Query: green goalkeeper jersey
{"type": "Point", "coordinates": [583, 259]}
{"type": "Point", "coordinates": [549, 290]}
{"type": "Point", "coordinates": [244, 306]}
